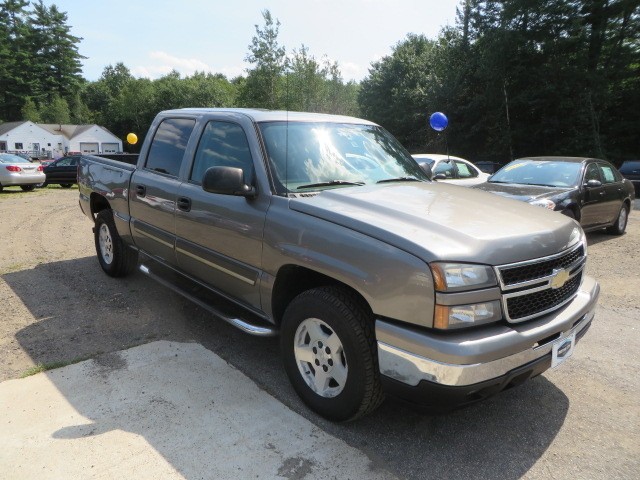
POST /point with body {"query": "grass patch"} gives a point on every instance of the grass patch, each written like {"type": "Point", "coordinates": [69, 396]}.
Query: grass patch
{"type": "Point", "coordinates": [43, 367]}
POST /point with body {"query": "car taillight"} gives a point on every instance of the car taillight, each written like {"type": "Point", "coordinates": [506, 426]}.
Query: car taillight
{"type": "Point", "coordinates": [40, 168]}
{"type": "Point", "coordinates": [13, 168]}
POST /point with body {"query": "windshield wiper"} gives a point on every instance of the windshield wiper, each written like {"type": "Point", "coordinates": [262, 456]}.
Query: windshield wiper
{"type": "Point", "coordinates": [329, 184]}
{"type": "Point", "coordinates": [399, 179]}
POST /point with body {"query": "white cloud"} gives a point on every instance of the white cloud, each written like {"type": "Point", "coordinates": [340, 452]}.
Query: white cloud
{"type": "Point", "coordinates": [161, 63]}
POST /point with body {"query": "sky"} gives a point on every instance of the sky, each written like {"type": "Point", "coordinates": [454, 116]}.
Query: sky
{"type": "Point", "coordinates": [153, 37]}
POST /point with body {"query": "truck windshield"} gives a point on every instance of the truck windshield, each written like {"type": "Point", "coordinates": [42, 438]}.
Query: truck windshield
{"type": "Point", "coordinates": [322, 155]}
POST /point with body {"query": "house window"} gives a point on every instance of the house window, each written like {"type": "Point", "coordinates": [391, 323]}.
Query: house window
{"type": "Point", "coordinates": [19, 146]}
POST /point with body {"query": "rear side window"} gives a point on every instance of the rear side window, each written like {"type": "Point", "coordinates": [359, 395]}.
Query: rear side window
{"type": "Point", "coordinates": [168, 145]}
{"type": "Point", "coordinates": [464, 170]}
{"type": "Point", "coordinates": [608, 173]}
{"type": "Point", "coordinates": [445, 167]}
{"type": "Point", "coordinates": [222, 144]}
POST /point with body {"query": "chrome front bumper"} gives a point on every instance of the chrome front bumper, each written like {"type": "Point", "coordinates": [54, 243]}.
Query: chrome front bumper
{"type": "Point", "coordinates": [401, 351]}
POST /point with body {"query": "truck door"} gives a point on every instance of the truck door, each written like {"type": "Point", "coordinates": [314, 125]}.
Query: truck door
{"type": "Point", "coordinates": [152, 195]}
{"type": "Point", "coordinates": [219, 237]}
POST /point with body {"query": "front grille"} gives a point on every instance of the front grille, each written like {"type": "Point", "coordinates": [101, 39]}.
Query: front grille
{"type": "Point", "coordinates": [528, 305]}
{"type": "Point", "coordinates": [524, 273]}
{"type": "Point", "coordinates": [528, 287]}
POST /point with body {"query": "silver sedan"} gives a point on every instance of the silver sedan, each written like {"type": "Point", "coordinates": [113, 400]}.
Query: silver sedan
{"type": "Point", "coordinates": [16, 171]}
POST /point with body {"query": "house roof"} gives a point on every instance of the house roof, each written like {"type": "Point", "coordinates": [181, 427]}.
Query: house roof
{"type": "Point", "coordinates": [7, 127]}
{"type": "Point", "coordinates": [69, 131]}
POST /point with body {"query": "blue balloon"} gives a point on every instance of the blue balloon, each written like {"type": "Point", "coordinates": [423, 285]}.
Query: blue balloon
{"type": "Point", "coordinates": [438, 121]}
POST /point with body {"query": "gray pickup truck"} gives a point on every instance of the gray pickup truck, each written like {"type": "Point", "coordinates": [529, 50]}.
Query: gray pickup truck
{"type": "Point", "coordinates": [324, 230]}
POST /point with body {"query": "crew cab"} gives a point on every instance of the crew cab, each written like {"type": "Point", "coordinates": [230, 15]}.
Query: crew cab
{"type": "Point", "coordinates": [322, 229]}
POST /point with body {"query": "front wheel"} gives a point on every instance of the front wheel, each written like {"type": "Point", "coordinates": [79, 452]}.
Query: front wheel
{"type": "Point", "coordinates": [27, 188]}
{"type": "Point", "coordinates": [329, 353]}
{"type": "Point", "coordinates": [115, 257]}
{"type": "Point", "coordinates": [66, 185]}
{"type": "Point", "coordinates": [620, 226]}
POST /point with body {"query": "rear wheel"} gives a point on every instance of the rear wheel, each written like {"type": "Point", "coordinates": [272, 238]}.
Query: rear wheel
{"type": "Point", "coordinates": [620, 226]}
{"type": "Point", "coordinates": [27, 188]}
{"type": "Point", "coordinates": [115, 257]}
{"type": "Point", "coordinates": [66, 185]}
{"type": "Point", "coordinates": [330, 353]}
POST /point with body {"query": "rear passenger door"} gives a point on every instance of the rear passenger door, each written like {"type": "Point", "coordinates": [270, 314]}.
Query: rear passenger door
{"type": "Point", "coordinates": [219, 237]}
{"type": "Point", "coordinates": [153, 189]}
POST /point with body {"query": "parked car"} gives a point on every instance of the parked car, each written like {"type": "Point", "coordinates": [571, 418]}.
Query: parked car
{"type": "Point", "coordinates": [16, 171]}
{"type": "Point", "coordinates": [630, 169]}
{"type": "Point", "coordinates": [588, 189]}
{"type": "Point", "coordinates": [63, 171]}
{"type": "Point", "coordinates": [452, 169]}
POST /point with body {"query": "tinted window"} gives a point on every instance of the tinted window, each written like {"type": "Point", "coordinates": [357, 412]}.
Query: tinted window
{"type": "Point", "coordinates": [222, 144]}
{"type": "Point", "coordinates": [64, 162]}
{"type": "Point", "coordinates": [592, 173]}
{"type": "Point", "coordinates": [169, 144]}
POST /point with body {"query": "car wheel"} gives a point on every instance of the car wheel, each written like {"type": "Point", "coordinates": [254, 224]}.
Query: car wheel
{"type": "Point", "coordinates": [115, 257]}
{"type": "Point", "coordinates": [330, 353]}
{"type": "Point", "coordinates": [27, 188]}
{"type": "Point", "coordinates": [620, 226]}
{"type": "Point", "coordinates": [66, 185]}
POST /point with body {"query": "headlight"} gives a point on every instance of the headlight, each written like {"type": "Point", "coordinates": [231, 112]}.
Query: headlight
{"type": "Point", "coordinates": [456, 277]}
{"type": "Point", "coordinates": [448, 317]}
{"type": "Point", "coordinates": [544, 202]}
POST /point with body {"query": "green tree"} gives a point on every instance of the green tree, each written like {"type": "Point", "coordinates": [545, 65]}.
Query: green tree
{"type": "Point", "coordinates": [15, 74]}
{"type": "Point", "coordinates": [263, 86]}
{"type": "Point", "coordinates": [30, 111]}
{"type": "Point", "coordinates": [56, 111]}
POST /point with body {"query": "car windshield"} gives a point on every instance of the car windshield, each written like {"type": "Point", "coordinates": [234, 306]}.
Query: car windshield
{"type": "Point", "coordinates": [543, 173]}
{"type": "Point", "coordinates": [320, 155]}
{"type": "Point", "coordinates": [11, 158]}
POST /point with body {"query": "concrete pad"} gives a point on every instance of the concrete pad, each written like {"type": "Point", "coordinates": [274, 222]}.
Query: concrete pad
{"type": "Point", "coordinates": [162, 410]}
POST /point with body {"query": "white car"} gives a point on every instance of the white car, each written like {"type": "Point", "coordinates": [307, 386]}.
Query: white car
{"type": "Point", "coordinates": [16, 171]}
{"type": "Point", "coordinates": [452, 169]}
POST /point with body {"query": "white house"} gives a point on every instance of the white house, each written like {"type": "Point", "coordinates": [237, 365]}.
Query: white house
{"type": "Point", "coordinates": [55, 140]}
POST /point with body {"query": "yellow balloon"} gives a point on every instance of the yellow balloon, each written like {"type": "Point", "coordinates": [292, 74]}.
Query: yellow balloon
{"type": "Point", "coordinates": [132, 138]}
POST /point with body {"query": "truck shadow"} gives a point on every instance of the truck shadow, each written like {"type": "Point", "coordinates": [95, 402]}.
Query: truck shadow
{"type": "Point", "coordinates": [79, 312]}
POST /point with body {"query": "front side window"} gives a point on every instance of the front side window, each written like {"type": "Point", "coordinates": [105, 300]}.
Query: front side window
{"type": "Point", "coordinates": [168, 145]}
{"type": "Point", "coordinates": [64, 162]}
{"type": "Point", "coordinates": [222, 144]}
{"type": "Point", "coordinates": [307, 156]}
{"type": "Point", "coordinates": [446, 168]}
{"type": "Point", "coordinates": [592, 173]}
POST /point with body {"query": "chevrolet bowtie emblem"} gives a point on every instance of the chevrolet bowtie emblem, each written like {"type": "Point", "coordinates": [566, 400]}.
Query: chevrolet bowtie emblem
{"type": "Point", "coordinates": [559, 277]}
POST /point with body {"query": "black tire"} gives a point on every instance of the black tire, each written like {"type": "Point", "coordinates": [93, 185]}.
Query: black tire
{"type": "Point", "coordinates": [1, 187]}
{"type": "Point", "coordinates": [28, 188]}
{"type": "Point", "coordinates": [354, 362]}
{"type": "Point", "coordinates": [66, 185]}
{"type": "Point", "coordinates": [622, 219]}
{"type": "Point", "coordinates": [115, 257]}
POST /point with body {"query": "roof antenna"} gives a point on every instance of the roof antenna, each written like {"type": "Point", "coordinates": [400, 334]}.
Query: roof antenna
{"type": "Point", "coordinates": [286, 152]}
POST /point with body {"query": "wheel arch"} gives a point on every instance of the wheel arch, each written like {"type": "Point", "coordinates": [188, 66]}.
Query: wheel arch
{"type": "Point", "coordinates": [292, 280]}
{"type": "Point", "coordinates": [98, 203]}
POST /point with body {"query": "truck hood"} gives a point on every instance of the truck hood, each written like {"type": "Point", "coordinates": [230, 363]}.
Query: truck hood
{"type": "Point", "coordinates": [445, 222]}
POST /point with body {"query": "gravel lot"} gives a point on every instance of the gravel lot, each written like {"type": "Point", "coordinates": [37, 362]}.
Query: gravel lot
{"type": "Point", "coordinates": [581, 420]}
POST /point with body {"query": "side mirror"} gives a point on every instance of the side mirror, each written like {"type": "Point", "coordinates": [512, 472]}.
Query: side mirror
{"type": "Point", "coordinates": [440, 176]}
{"type": "Point", "coordinates": [426, 168]}
{"type": "Point", "coordinates": [227, 181]}
{"type": "Point", "coordinates": [593, 183]}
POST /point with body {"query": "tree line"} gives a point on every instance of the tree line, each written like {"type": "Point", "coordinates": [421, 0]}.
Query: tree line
{"type": "Point", "coordinates": [515, 78]}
